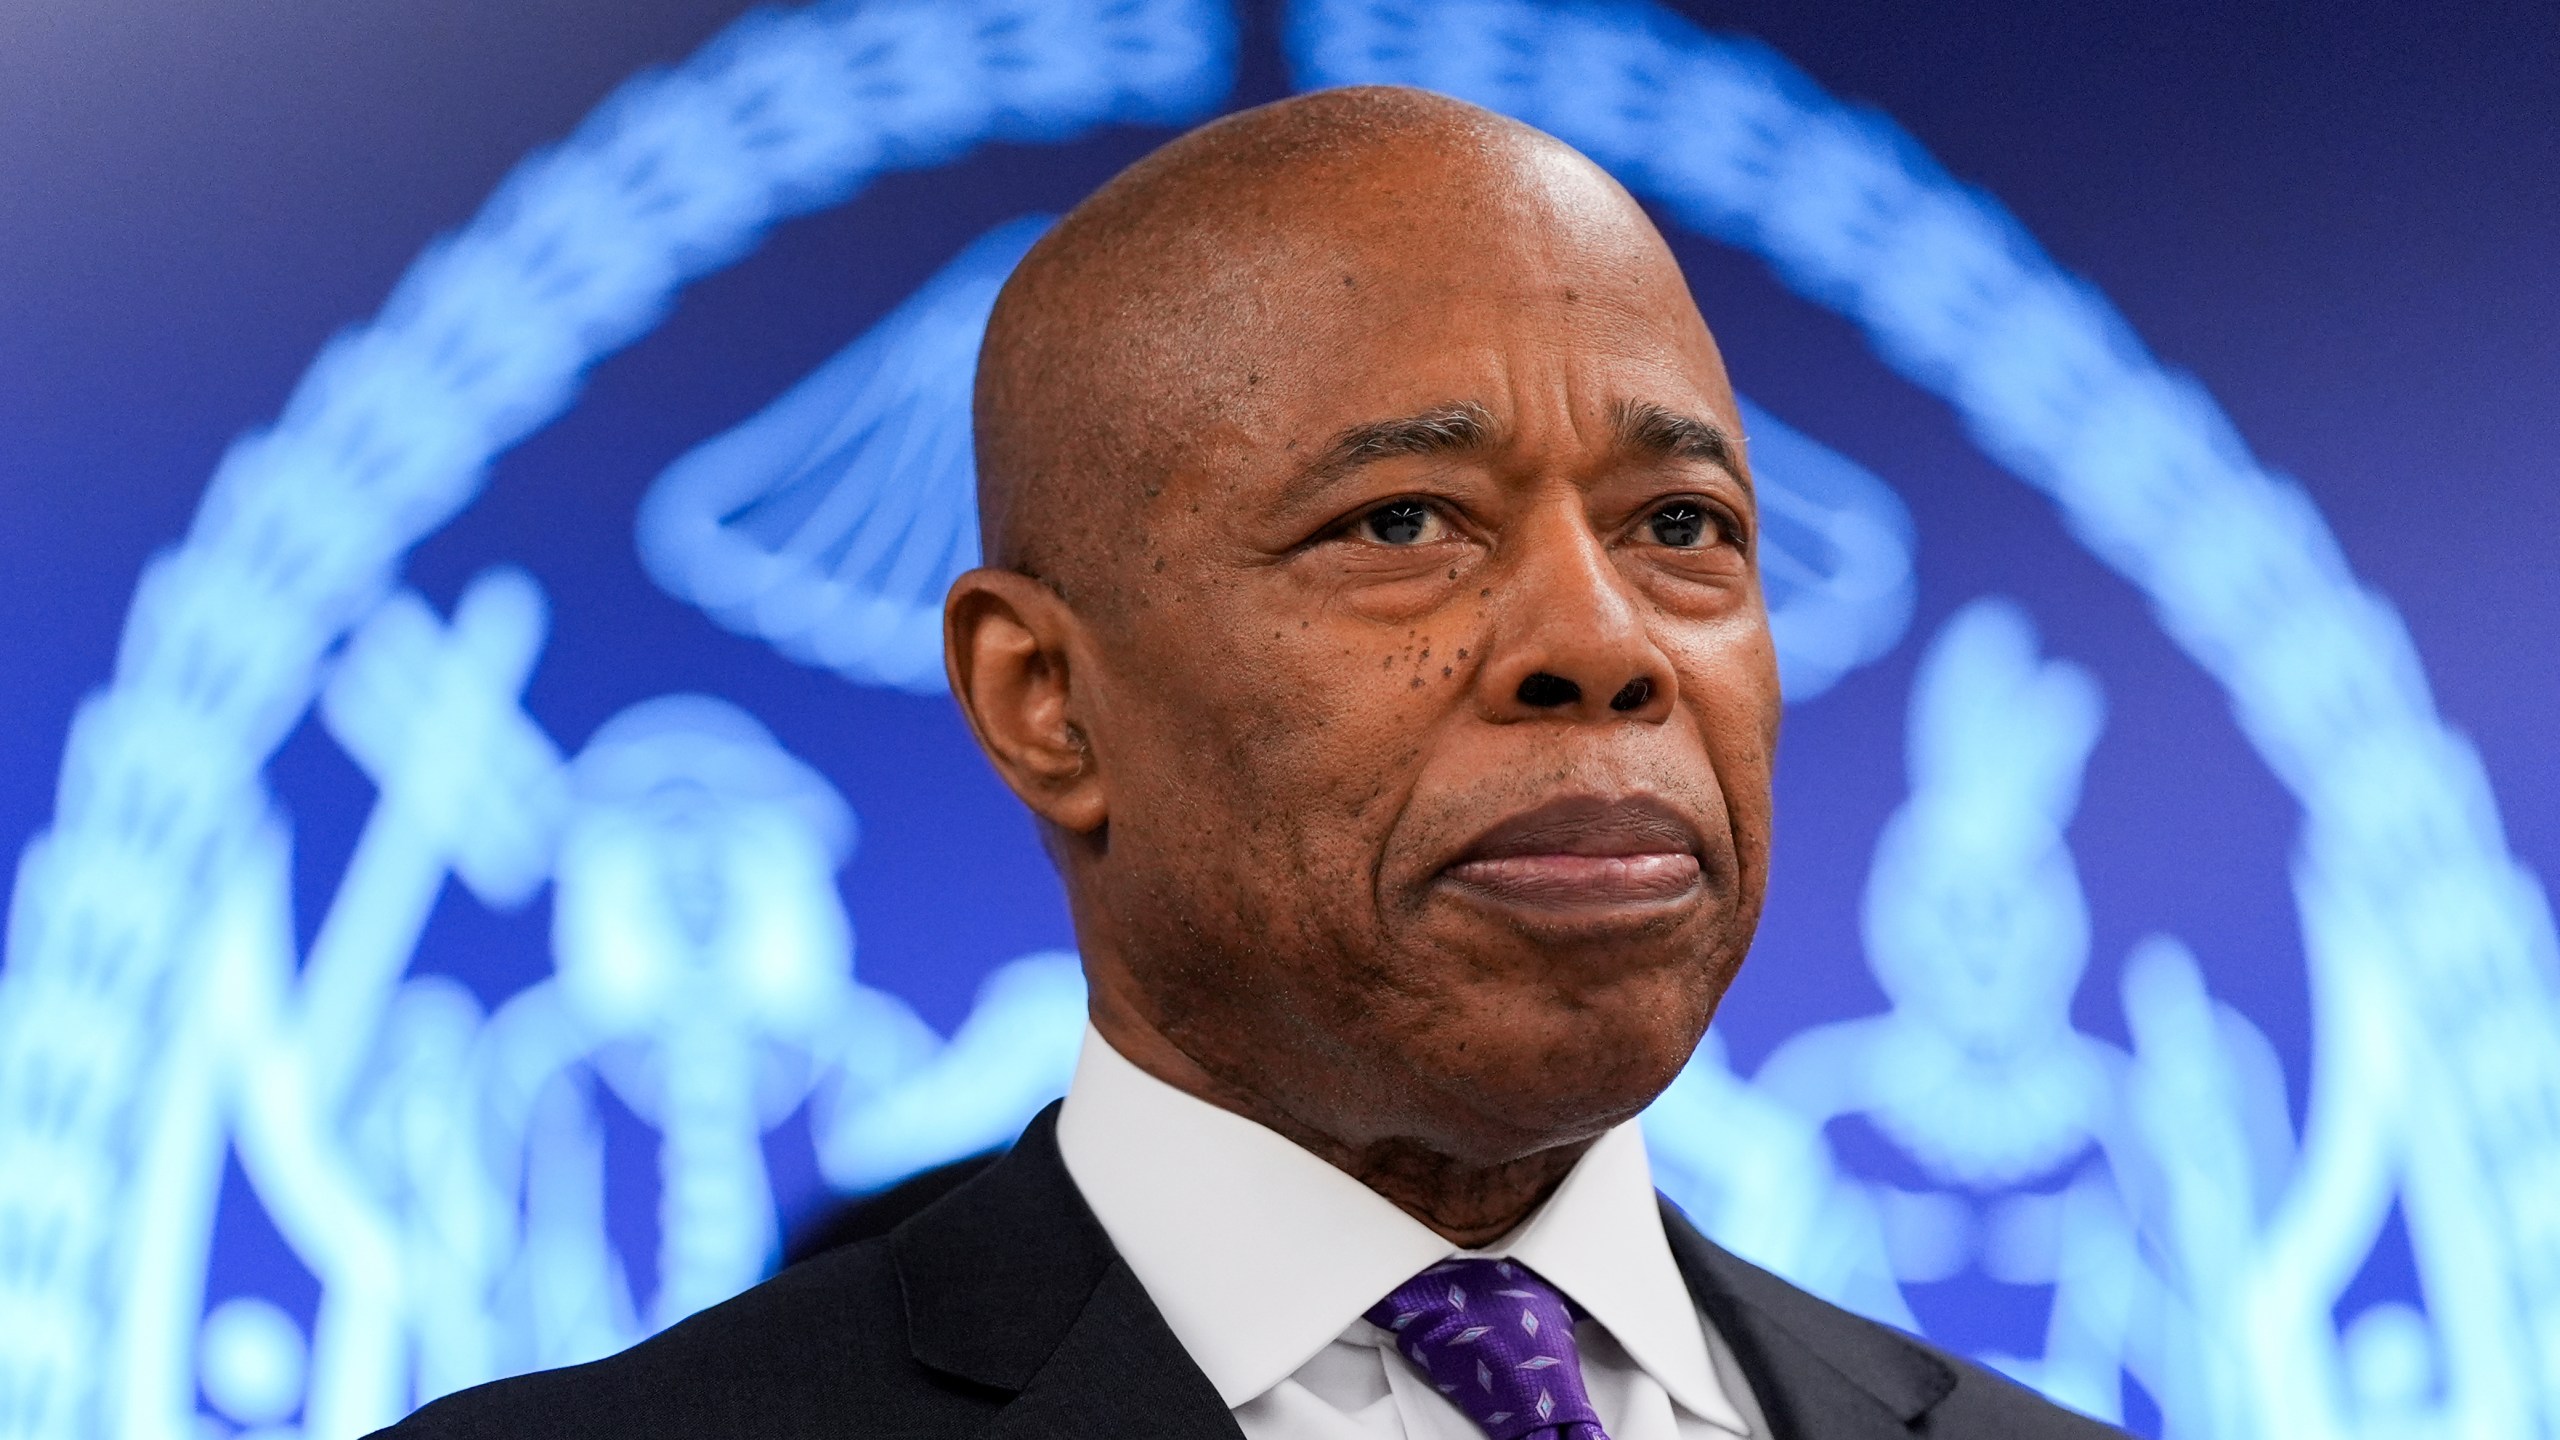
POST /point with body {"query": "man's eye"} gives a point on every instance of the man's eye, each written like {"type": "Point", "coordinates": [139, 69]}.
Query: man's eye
{"type": "Point", "coordinates": [1399, 522]}
{"type": "Point", "coordinates": [1682, 525]}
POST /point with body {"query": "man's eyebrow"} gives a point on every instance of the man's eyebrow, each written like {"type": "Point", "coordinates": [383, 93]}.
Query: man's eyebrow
{"type": "Point", "coordinates": [1463, 426]}
{"type": "Point", "coordinates": [1655, 430]}
{"type": "Point", "coordinates": [1441, 430]}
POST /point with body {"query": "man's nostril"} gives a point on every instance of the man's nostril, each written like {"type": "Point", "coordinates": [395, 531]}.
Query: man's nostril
{"type": "Point", "coordinates": [1632, 695]}
{"type": "Point", "coordinates": [1545, 691]}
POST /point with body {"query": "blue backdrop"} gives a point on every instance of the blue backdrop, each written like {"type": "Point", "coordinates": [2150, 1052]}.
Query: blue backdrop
{"type": "Point", "coordinates": [495, 851]}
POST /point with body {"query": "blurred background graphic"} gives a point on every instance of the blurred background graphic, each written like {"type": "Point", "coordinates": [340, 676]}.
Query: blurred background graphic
{"type": "Point", "coordinates": [479, 480]}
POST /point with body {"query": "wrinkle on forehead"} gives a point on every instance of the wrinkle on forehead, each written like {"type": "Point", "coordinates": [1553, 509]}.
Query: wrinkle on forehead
{"type": "Point", "coordinates": [1153, 321]}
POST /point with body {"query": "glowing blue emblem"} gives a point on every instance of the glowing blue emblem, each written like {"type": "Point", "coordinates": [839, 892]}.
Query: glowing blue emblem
{"type": "Point", "coordinates": [438, 1170]}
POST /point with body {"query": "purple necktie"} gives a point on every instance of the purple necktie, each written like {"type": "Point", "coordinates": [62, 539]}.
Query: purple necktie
{"type": "Point", "coordinates": [1498, 1341]}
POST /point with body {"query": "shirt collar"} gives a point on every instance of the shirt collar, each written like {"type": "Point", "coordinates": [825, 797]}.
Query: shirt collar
{"type": "Point", "coordinates": [1259, 1254]}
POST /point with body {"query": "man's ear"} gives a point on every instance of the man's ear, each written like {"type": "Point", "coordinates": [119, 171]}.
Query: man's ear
{"type": "Point", "coordinates": [1007, 640]}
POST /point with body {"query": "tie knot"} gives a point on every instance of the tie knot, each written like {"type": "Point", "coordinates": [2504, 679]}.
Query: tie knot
{"type": "Point", "coordinates": [1497, 1340]}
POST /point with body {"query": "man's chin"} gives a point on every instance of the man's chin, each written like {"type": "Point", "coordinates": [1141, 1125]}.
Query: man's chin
{"type": "Point", "coordinates": [1515, 1071]}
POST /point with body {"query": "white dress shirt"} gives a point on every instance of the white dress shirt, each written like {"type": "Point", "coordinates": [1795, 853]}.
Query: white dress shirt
{"type": "Point", "coordinates": [1262, 1258]}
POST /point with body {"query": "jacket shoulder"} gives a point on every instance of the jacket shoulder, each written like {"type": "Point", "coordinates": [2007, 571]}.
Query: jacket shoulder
{"type": "Point", "coordinates": [820, 1349]}
{"type": "Point", "coordinates": [1989, 1405]}
{"type": "Point", "coordinates": [1819, 1369]}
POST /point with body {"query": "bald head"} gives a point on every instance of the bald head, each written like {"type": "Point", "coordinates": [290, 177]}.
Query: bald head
{"type": "Point", "coordinates": [1161, 320]}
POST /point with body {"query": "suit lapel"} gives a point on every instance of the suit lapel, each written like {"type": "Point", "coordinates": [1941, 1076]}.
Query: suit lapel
{"type": "Point", "coordinates": [1010, 1284]}
{"type": "Point", "coordinates": [1118, 1371]}
{"type": "Point", "coordinates": [1818, 1373]}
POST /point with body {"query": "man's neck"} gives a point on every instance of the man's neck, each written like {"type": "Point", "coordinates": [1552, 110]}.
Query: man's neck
{"type": "Point", "coordinates": [1471, 1206]}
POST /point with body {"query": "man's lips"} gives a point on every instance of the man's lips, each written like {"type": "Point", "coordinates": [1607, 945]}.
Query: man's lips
{"type": "Point", "coordinates": [1584, 852]}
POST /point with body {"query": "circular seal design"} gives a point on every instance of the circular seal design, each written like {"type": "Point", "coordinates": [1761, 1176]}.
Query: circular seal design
{"type": "Point", "coordinates": [153, 1010]}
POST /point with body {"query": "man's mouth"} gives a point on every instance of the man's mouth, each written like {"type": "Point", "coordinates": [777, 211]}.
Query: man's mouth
{"type": "Point", "coordinates": [1584, 852]}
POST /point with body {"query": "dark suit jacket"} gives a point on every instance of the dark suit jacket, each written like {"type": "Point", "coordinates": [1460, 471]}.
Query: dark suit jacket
{"type": "Point", "coordinates": [1002, 1310]}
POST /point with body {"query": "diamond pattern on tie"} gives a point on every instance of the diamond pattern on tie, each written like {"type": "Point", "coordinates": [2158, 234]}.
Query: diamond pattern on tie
{"type": "Point", "coordinates": [1498, 1341]}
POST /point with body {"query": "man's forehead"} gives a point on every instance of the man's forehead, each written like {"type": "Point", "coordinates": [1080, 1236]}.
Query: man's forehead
{"type": "Point", "coordinates": [1491, 368]}
{"type": "Point", "coordinates": [1467, 300]}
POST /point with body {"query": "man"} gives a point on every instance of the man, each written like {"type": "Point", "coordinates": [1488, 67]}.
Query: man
{"type": "Point", "coordinates": [1372, 622]}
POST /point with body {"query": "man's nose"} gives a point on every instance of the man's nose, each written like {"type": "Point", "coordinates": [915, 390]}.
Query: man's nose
{"type": "Point", "coordinates": [1569, 638]}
